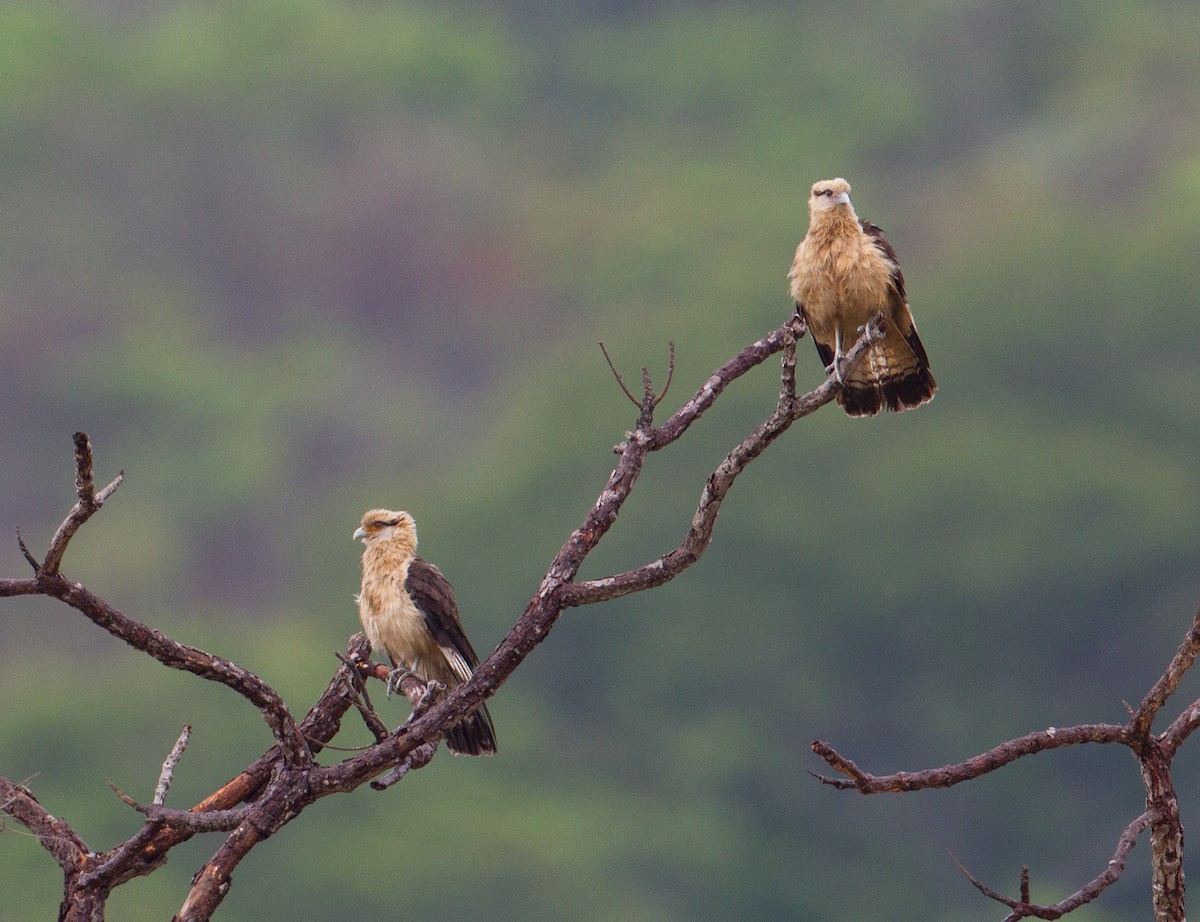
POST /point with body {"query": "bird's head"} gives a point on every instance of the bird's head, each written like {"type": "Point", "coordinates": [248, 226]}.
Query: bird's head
{"type": "Point", "coordinates": [829, 194]}
{"type": "Point", "coordinates": [384, 525]}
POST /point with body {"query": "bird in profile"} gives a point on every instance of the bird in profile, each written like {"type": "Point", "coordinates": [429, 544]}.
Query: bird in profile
{"type": "Point", "coordinates": [408, 611]}
{"type": "Point", "coordinates": [844, 274]}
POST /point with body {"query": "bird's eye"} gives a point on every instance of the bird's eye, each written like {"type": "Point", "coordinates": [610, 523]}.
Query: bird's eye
{"type": "Point", "coordinates": [825, 192]}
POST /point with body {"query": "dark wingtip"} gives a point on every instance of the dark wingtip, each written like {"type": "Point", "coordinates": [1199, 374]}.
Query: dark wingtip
{"type": "Point", "coordinates": [475, 736]}
{"type": "Point", "coordinates": [895, 394]}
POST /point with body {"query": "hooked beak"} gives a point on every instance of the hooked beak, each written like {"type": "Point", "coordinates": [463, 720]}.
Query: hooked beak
{"type": "Point", "coordinates": [360, 535]}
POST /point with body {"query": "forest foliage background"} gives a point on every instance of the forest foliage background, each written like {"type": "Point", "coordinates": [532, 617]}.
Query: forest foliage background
{"type": "Point", "coordinates": [285, 260]}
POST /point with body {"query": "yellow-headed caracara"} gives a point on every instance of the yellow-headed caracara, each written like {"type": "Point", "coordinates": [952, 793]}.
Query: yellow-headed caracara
{"type": "Point", "coordinates": [844, 274]}
{"type": "Point", "coordinates": [408, 611]}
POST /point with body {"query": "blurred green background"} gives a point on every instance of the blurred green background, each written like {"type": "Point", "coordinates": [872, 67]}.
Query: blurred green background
{"type": "Point", "coordinates": [285, 261]}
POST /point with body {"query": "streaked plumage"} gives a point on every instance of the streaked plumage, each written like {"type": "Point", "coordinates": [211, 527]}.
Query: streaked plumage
{"type": "Point", "coordinates": [845, 273]}
{"type": "Point", "coordinates": [408, 611]}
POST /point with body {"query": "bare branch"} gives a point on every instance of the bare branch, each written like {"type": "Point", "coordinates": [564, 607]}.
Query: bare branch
{"type": "Point", "coordinates": [949, 775]}
{"type": "Point", "coordinates": [183, 657]}
{"type": "Point", "coordinates": [1023, 909]}
{"type": "Point", "coordinates": [15, 587]}
{"type": "Point", "coordinates": [617, 375]}
{"type": "Point", "coordinates": [168, 767]}
{"type": "Point", "coordinates": [418, 758]}
{"type": "Point", "coordinates": [205, 821]}
{"type": "Point", "coordinates": [699, 536]}
{"type": "Point", "coordinates": [212, 881]}
{"type": "Point", "coordinates": [133, 859]}
{"type": "Point", "coordinates": [670, 373]}
{"type": "Point", "coordinates": [56, 836]}
{"type": "Point", "coordinates": [1182, 727]}
{"type": "Point", "coordinates": [108, 868]}
{"type": "Point", "coordinates": [89, 502]}
{"type": "Point", "coordinates": [1183, 659]}
{"type": "Point", "coordinates": [33, 561]}
{"type": "Point", "coordinates": [749, 357]}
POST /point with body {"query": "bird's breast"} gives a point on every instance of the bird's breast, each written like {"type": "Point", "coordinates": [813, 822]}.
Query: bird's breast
{"type": "Point", "coordinates": [838, 281]}
{"type": "Point", "coordinates": [393, 623]}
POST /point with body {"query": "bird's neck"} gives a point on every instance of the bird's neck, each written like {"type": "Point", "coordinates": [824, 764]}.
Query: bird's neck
{"type": "Point", "coordinates": [831, 227]}
{"type": "Point", "coordinates": [387, 556]}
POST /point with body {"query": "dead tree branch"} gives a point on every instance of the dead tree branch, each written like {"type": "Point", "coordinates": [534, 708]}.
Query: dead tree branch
{"type": "Point", "coordinates": [950, 775]}
{"type": "Point", "coordinates": [279, 785]}
{"type": "Point", "coordinates": [286, 778]}
{"type": "Point", "coordinates": [168, 768]}
{"type": "Point", "coordinates": [55, 835]}
{"type": "Point", "coordinates": [1180, 663]}
{"type": "Point", "coordinates": [1024, 909]}
{"type": "Point", "coordinates": [1154, 755]}
{"type": "Point", "coordinates": [89, 502]}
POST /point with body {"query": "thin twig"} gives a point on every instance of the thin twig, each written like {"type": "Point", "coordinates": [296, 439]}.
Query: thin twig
{"type": "Point", "coordinates": [788, 410]}
{"type": "Point", "coordinates": [168, 766]}
{"type": "Point", "coordinates": [1023, 909]}
{"type": "Point", "coordinates": [181, 656]}
{"type": "Point", "coordinates": [747, 359]}
{"type": "Point", "coordinates": [89, 502]}
{"type": "Point", "coordinates": [949, 775]}
{"type": "Point", "coordinates": [1183, 659]}
{"type": "Point", "coordinates": [670, 373]}
{"type": "Point", "coordinates": [33, 561]}
{"type": "Point", "coordinates": [10, 588]}
{"type": "Point", "coordinates": [620, 380]}
{"type": "Point", "coordinates": [1181, 728]}
{"type": "Point", "coordinates": [356, 688]}
{"type": "Point", "coordinates": [206, 821]}
{"type": "Point", "coordinates": [109, 866]}
{"type": "Point", "coordinates": [55, 835]}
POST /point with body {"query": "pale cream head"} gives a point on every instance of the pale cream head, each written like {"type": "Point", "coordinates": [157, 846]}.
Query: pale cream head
{"type": "Point", "coordinates": [829, 194]}
{"type": "Point", "coordinates": [386, 525]}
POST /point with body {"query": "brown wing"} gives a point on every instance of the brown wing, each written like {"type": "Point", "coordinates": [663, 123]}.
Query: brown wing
{"type": "Point", "coordinates": [435, 598]}
{"type": "Point", "coordinates": [431, 593]}
{"type": "Point", "coordinates": [875, 232]}
{"type": "Point", "coordinates": [895, 373]}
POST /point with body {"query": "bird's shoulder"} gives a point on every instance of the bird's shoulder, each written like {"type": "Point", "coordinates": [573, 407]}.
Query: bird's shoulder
{"type": "Point", "coordinates": [875, 233]}
{"type": "Point", "coordinates": [427, 586]}
{"type": "Point", "coordinates": [432, 594]}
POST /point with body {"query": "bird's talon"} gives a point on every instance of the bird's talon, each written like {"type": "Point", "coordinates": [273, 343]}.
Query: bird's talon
{"type": "Point", "coordinates": [835, 369]}
{"type": "Point", "coordinates": [395, 677]}
{"type": "Point", "coordinates": [433, 688]}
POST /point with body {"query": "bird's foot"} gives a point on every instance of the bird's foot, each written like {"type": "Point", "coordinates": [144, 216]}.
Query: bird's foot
{"type": "Point", "coordinates": [396, 676]}
{"type": "Point", "coordinates": [433, 688]}
{"type": "Point", "coordinates": [835, 368]}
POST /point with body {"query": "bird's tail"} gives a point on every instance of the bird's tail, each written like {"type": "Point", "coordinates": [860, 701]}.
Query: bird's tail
{"type": "Point", "coordinates": [475, 736]}
{"type": "Point", "coordinates": [894, 375]}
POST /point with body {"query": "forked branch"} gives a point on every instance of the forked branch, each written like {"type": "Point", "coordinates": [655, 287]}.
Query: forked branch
{"type": "Point", "coordinates": [286, 779]}
{"type": "Point", "coordinates": [1024, 909]}
{"type": "Point", "coordinates": [1154, 755]}
{"type": "Point", "coordinates": [89, 502]}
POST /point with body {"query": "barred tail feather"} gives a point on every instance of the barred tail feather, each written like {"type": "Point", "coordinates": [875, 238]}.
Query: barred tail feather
{"type": "Point", "coordinates": [893, 375]}
{"type": "Point", "coordinates": [475, 736]}
{"type": "Point", "coordinates": [866, 398]}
